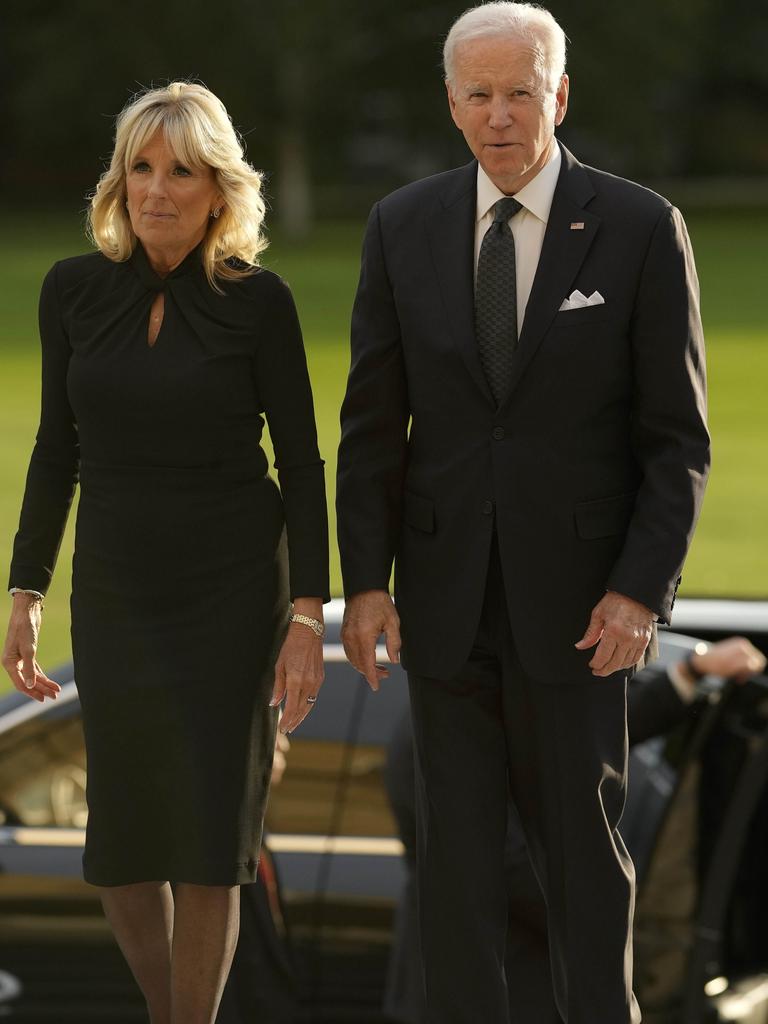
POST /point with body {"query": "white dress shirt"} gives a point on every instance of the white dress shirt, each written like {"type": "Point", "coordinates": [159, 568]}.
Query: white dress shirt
{"type": "Point", "coordinates": [528, 225]}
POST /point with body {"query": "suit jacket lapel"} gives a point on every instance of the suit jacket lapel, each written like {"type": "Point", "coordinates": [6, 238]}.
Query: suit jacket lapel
{"type": "Point", "coordinates": [562, 253]}
{"type": "Point", "coordinates": [451, 231]}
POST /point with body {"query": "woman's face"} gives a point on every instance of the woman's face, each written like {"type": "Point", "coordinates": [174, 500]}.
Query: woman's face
{"type": "Point", "coordinates": [169, 203]}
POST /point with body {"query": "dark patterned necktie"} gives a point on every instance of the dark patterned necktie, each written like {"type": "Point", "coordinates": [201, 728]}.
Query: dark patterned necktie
{"type": "Point", "coordinates": [496, 299]}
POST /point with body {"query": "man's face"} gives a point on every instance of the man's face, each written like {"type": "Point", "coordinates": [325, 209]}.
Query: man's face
{"type": "Point", "coordinates": [500, 104]}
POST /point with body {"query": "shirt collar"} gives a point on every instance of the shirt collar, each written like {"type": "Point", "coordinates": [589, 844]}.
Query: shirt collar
{"type": "Point", "coordinates": [536, 196]}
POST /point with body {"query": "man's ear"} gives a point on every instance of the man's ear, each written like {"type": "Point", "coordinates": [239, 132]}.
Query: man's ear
{"type": "Point", "coordinates": [452, 104]}
{"type": "Point", "coordinates": [561, 100]}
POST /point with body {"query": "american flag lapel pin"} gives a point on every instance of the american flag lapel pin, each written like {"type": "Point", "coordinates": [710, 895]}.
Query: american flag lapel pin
{"type": "Point", "coordinates": [577, 225]}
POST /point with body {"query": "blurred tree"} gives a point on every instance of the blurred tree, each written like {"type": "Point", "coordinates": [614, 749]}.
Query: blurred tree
{"type": "Point", "coordinates": [635, 75]}
{"type": "Point", "coordinates": [728, 119]}
{"type": "Point", "coordinates": [70, 68]}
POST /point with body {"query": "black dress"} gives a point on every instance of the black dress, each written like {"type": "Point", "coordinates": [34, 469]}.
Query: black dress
{"type": "Point", "coordinates": [186, 551]}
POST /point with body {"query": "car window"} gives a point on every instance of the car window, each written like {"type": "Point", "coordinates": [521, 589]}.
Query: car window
{"type": "Point", "coordinates": [323, 776]}
{"type": "Point", "coordinates": [42, 773]}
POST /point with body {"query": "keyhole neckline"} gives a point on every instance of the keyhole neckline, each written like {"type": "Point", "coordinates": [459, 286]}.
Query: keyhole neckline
{"type": "Point", "coordinates": [156, 319]}
{"type": "Point", "coordinates": [151, 279]}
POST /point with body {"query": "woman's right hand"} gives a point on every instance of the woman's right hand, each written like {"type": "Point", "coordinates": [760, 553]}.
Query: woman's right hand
{"type": "Point", "coordinates": [19, 654]}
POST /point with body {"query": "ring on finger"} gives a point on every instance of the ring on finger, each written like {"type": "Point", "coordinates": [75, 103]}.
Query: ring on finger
{"type": "Point", "coordinates": [312, 698]}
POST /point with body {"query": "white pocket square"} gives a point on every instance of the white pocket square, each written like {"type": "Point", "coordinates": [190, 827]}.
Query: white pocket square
{"type": "Point", "coordinates": [578, 301]}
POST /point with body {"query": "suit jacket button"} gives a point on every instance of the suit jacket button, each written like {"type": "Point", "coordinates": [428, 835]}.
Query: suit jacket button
{"type": "Point", "coordinates": [498, 433]}
{"type": "Point", "coordinates": [487, 508]}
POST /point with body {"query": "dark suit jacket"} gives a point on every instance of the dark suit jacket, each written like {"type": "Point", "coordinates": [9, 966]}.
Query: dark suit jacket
{"type": "Point", "coordinates": [594, 466]}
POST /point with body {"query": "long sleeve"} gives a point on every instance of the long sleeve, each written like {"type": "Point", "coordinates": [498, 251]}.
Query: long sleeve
{"type": "Point", "coordinates": [654, 707]}
{"type": "Point", "coordinates": [54, 465]}
{"type": "Point", "coordinates": [283, 383]}
{"type": "Point", "coordinates": [374, 429]}
{"type": "Point", "coordinates": [669, 431]}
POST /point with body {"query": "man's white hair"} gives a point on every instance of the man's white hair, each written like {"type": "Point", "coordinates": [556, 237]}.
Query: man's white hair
{"type": "Point", "coordinates": [531, 24]}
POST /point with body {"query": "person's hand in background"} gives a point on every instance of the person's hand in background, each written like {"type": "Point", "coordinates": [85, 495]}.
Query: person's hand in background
{"type": "Point", "coordinates": [280, 760]}
{"type": "Point", "coordinates": [734, 658]}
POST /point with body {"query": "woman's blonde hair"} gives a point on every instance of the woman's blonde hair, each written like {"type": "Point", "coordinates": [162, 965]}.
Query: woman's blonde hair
{"type": "Point", "coordinates": [200, 132]}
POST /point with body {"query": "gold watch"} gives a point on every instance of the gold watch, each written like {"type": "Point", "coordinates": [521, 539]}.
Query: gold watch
{"type": "Point", "coordinates": [306, 620]}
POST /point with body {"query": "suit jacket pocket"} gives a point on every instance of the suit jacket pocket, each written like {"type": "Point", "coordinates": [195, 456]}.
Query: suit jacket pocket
{"type": "Point", "coordinates": [583, 315]}
{"type": "Point", "coordinates": [604, 517]}
{"type": "Point", "coordinates": [419, 512]}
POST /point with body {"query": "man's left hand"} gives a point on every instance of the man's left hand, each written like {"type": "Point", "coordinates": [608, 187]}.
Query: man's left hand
{"type": "Point", "coordinates": [623, 628]}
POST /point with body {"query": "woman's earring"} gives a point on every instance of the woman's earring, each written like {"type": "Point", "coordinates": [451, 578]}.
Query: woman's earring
{"type": "Point", "coordinates": [216, 212]}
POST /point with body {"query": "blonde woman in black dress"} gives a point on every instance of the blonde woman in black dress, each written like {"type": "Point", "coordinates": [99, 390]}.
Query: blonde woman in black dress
{"type": "Point", "coordinates": [162, 354]}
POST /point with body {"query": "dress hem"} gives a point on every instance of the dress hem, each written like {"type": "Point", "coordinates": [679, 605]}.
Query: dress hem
{"type": "Point", "coordinates": [243, 874]}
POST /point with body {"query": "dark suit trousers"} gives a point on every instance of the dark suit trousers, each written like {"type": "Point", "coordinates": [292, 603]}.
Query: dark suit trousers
{"type": "Point", "coordinates": [560, 750]}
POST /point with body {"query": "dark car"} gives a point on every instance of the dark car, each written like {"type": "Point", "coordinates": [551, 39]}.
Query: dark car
{"type": "Point", "coordinates": [698, 835]}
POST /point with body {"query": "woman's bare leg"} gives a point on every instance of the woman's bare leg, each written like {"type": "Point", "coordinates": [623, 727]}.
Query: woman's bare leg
{"type": "Point", "coordinates": [206, 926]}
{"type": "Point", "coordinates": [141, 917]}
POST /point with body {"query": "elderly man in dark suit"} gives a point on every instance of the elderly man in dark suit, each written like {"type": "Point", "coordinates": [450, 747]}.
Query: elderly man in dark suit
{"type": "Point", "coordinates": [524, 434]}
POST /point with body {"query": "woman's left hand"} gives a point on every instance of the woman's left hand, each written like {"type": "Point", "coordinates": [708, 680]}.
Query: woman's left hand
{"type": "Point", "coordinates": [299, 674]}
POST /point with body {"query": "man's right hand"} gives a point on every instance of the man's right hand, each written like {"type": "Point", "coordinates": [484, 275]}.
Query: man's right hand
{"type": "Point", "coordinates": [366, 616]}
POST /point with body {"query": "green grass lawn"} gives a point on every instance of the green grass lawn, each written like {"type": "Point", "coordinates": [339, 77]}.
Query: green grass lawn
{"type": "Point", "coordinates": [730, 553]}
